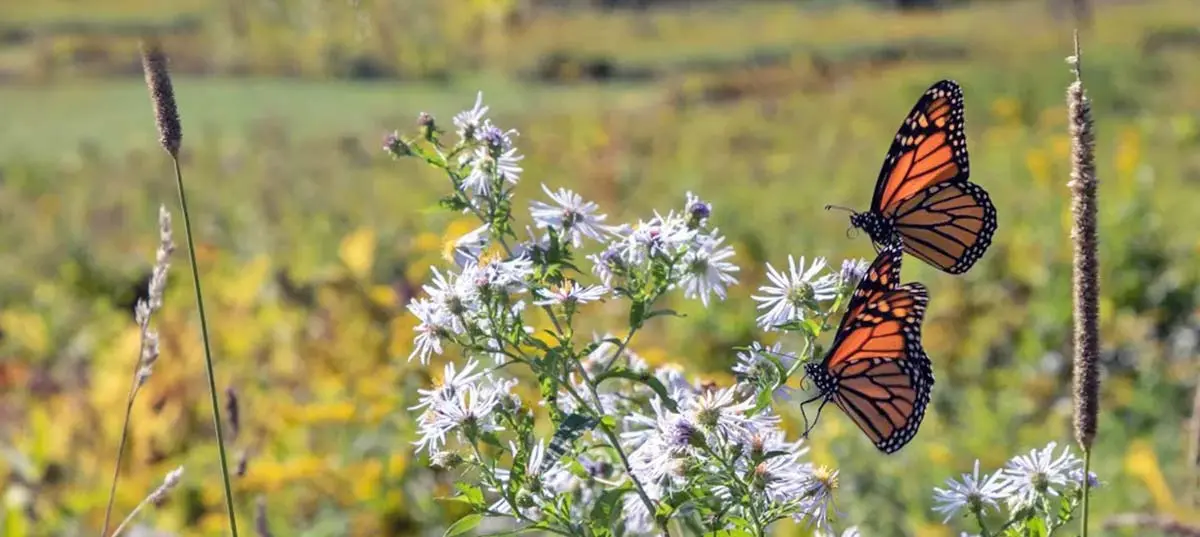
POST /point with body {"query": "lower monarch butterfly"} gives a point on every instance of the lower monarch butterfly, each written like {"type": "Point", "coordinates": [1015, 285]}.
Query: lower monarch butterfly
{"type": "Point", "coordinates": [876, 371]}
{"type": "Point", "coordinates": [922, 193]}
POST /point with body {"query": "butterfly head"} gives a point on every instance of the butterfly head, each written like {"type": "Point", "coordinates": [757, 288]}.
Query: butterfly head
{"type": "Point", "coordinates": [820, 377]}
{"type": "Point", "coordinates": [875, 226]}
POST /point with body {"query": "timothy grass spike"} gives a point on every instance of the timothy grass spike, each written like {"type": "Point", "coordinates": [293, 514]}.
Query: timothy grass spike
{"type": "Point", "coordinates": [1086, 273]}
{"type": "Point", "coordinates": [162, 93]}
{"type": "Point", "coordinates": [166, 114]}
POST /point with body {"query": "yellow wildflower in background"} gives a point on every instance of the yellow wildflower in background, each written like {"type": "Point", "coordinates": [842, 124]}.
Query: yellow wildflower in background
{"type": "Point", "coordinates": [1142, 463]}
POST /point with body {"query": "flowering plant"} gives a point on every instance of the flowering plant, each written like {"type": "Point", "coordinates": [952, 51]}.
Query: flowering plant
{"type": "Point", "coordinates": [1035, 494]}
{"type": "Point", "coordinates": [633, 450]}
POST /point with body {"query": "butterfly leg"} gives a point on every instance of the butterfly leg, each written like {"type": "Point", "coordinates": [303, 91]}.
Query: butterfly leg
{"type": "Point", "coordinates": [807, 426]}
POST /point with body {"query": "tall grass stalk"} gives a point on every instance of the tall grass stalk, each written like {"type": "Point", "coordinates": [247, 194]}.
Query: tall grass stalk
{"type": "Point", "coordinates": [1086, 273]}
{"type": "Point", "coordinates": [166, 116]}
{"type": "Point", "coordinates": [147, 346]}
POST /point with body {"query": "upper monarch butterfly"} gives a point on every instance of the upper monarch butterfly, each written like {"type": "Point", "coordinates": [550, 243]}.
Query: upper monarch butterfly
{"type": "Point", "coordinates": [876, 371]}
{"type": "Point", "coordinates": [923, 193]}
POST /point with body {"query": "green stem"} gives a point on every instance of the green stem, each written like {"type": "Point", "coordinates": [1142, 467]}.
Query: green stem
{"type": "Point", "coordinates": [983, 531]}
{"type": "Point", "coordinates": [132, 515]}
{"type": "Point", "coordinates": [612, 437]}
{"type": "Point", "coordinates": [1087, 489]}
{"type": "Point", "coordinates": [112, 492]}
{"type": "Point", "coordinates": [208, 361]}
{"type": "Point", "coordinates": [125, 432]}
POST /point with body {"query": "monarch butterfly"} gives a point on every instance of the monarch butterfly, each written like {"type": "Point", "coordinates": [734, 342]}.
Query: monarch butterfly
{"type": "Point", "coordinates": [923, 193]}
{"type": "Point", "coordinates": [876, 371]}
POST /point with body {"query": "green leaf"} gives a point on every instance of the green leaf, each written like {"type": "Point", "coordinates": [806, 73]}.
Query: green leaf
{"type": "Point", "coordinates": [516, 476]}
{"type": "Point", "coordinates": [729, 533]}
{"type": "Point", "coordinates": [472, 493]}
{"type": "Point", "coordinates": [657, 313]}
{"type": "Point", "coordinates": [762, 401]}
{"type": "Point", "coordinates": [609, 422]}
{"type": "Point", "coordinates": [1036, 527]}
{"type": "Point", "coordinates": [463, 525]}
{"type": "Point", "coordinates": [491, 439]}
{"type": "Point", "coordinates": [455, 499]}
{"type": "Point", "coordinates": [605, 510]}
{"type": "Point", "coordinates": [637, 314]}
{"type": "Point", "coordinates": [518, 531]}
{"type": "Point", "coordinates": [571, 428]}
{"type": "Point", "coordinates": [452, 203]}
{"type": "Point", "coordinates": [644, 378]}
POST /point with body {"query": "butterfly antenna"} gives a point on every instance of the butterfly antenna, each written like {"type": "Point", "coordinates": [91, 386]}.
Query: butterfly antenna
{"type": "Point", "coordinates": [840, 208]}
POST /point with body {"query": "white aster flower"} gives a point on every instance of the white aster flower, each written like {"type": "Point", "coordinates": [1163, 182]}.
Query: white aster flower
{"type": "Point", "coordinates": [469, 122]}
{"type": "Point", "coordinates": [572, 217]}
{"type": "Point", "coordinates": [707, 271]}
{"type": "Point", "coordinates": [972, 493]}
{"type": "Point", "coordinates": [1038, 473]}
{"type": "Point", "coordinates": [672, 377]}
{"type": "Point", "coordinates": [721, 416]}
{"type": "Point", "coordinates": [758, 364]}
{"type": "Point", "coordinates": [434, 327]}
{"type": "Point", "coordinates": [818, 498]}
{"type": "Point", "coordinates": [782, 478]}
{"type": "Point", "coordinates": [852, 271]}
{"type": "Point", "coordinates": [453, 381]}
{"type": "Point", "coordinates": [638, 518]}
{"type": "Point", "coordinates": [570, 292]}
{"type": "Point", "coordinates": [469, 246]}
{"type": "Point", "coordinates": [508, 276]}
{"type": "Point", "coordinates": [609, 263]}
{"type": "Point", "coordinates": [795, 293]}
{"type": "Point", "coordinates": [664, 236]}
{"type": "Point", "coordinates": [469, 411]}
{"type": "Point", "coordinates": [496, 141]}
{"type": "Point", "coordinates": [487, 168]}
{"type": "Point", "coordinates": [456, 296]}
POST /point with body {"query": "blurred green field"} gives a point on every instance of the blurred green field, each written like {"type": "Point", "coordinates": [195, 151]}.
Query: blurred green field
{"type": "Point", "coordinates": [771, 110]}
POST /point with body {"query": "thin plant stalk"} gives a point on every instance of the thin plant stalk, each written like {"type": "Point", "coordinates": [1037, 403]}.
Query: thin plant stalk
{"type": "Point", "coordinates": [112, 491]}
{"type": "Point", "coordinates": [147, 347]}
{"type": "Point", "coordinates": [208, 361]}
{"type": "Point", "coordinates": [166, 115]}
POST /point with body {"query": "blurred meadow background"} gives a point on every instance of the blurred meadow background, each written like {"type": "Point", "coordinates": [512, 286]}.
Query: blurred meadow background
{"type": "Point", "coordinates": [313, 240]}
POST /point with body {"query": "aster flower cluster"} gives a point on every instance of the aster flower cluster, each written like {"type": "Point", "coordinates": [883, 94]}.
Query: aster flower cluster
{"type": "Point", "coordinates": [1039, 490]}
{"type": "Point", "coordinates": [613, 446]}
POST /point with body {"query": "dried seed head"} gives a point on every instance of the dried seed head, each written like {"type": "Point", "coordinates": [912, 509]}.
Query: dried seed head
{"type": "Point", "coordinates": [1086, 264]}
{"type": "Point", "coordinates": [233, 413]}
{"type": "Point", "coordinates": [169, 483]}
{"type": "Point", "coordinates": [158, 80]}
{"type": "Point", "coordinates": [243, 464]}
{"type": "Point", "coordinates": [261, 528]}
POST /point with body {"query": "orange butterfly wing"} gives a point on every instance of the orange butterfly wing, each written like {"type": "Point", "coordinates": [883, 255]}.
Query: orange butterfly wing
{"type": "Point", "coordinates": [882, 276]}
{"type": "Point", "coordinates": [923, 191]}
{"type": "Point", "coordinates": [877, 371]}
{"type": "Point", "coordinates": [930, 147]}
{"type": "Point", "coordinates": [949, 225]}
